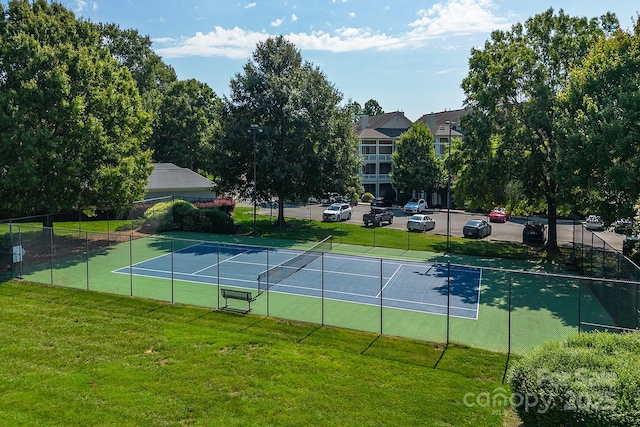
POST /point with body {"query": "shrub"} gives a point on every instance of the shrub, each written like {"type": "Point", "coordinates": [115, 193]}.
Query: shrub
{"type": "Point", "coordinates": [214, 220]}
{"type": "Point", "coordinates": [366, 197]}
{"type": "Point", "coordinates": [183, 214]}
{"type": "Point", "coordinates": [390, 194]}
{"type": "Point", "coordinates": [403, 198]}
{"type": "Point", "coordinates": [591, 379]}
{"type": "Point", "coordinates": [159, 217]}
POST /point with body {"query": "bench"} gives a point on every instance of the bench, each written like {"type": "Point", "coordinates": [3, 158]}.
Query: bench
{"type": "Point", "coordinates": [570, 261]}
{"type": "Point", "coordinates": [228, 294]}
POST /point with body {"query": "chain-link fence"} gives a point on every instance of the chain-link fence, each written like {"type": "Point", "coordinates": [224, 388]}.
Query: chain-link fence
{"type": "Point", "coordinates": [496, 309]}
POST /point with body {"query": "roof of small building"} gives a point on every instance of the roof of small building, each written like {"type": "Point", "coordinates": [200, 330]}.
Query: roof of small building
{"type": "Point", "coordinates": [167, 176]}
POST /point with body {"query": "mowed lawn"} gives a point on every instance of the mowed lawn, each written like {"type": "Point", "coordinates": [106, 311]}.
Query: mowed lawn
{"type": "Point", "coordinates": [78, 358]}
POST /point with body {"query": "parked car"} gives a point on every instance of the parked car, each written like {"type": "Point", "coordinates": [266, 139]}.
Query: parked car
{"type": "Point", "coordinates": [381, 202]}
{"type": "Point", "coordinates": [498, 214]}
{"type": "Point", "coordinates": [476, 228]}
{"type": "Point", "coordinates": [628, 244]}
{"type": "Point", "coordinates": [420, 223]}
{"type": "Point", "coordinates": [594, 222]}
{"type": "Point", "coordinates": [623, 226]}
{"type": "Point", "coordinates": [337, 212]}
{"type": "Point", "coordinates": [534, 232]}
{"type": "Point", "coordinates": [415, 206]}
{"type": "Point", "coordinates": [329, 198]}
{"type": "Point", "coordinates": [377, 216]}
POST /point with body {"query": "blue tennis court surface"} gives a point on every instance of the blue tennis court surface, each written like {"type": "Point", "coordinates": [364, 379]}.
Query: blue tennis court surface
{"type": "Point", "coordinates": [408, 285]}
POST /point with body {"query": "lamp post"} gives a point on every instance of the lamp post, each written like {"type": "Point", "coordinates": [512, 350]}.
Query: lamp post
{"type": "Point", "coordinates": [451, 125]}
{"type": "Point", "coordinates": [254, 129]}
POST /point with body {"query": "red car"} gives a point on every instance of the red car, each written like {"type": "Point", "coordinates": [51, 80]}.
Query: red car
{"type": "Point", "coordinates": [499, 215]}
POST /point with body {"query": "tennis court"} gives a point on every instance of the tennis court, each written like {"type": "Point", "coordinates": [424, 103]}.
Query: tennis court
{"type": "Point", "coordinates": [415, 286]}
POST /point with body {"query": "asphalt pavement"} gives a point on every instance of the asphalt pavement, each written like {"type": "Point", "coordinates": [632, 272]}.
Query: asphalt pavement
{"type": "Point", "coordinates": [509, 231]}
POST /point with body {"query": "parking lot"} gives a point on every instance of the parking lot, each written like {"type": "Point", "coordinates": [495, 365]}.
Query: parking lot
{"type": "Point", "coordinates": [509, 231]}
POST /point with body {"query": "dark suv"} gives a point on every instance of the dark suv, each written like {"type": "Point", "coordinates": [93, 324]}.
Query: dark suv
{"type": "Point", "coordinates": [534, 232]}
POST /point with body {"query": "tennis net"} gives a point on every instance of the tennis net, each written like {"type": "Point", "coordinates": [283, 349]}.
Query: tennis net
{"type": "Point", "coordinates": [277, 274]}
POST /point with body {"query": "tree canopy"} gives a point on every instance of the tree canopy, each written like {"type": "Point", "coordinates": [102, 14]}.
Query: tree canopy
{"type": "Point", "coordinates": [71, 121]}
{"type": "Point", "coordinates": [512, 91]}
{"type": "Point", "coordinates": [372, 108]}
{"type": "Point", "coordinates": [187, 126]}
{"type": "Point", "coordinates": [414, 165]}
{"type": "Point", "coordinates": [600, 158]}
{"type": "Point", "coordinates": [307, 145]}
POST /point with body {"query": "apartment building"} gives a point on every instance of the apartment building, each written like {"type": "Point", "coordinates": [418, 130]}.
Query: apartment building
{"type": "Point", "coordinates": [378, 135]}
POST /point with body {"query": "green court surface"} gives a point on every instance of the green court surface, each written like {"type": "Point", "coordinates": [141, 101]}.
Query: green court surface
{"type": "Point", "coordinates": [520, 305]}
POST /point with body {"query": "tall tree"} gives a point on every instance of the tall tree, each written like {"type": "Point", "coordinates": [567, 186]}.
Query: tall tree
{"type": "Point", "coordinates": [187, 125]}
{"type": "Point", "coordinates": [512, 90]}
{"type": "Point", "coordinates": [133, 51]}
{"type": "Point", "coordinates": [601, 157]}
{"type": "Point", "coordinates": [372, 108]}
{"type": "Point", "coordinates": [71, 120]}
{"type": "Point", "coordinates": [414, 164]}
{"type": "Point", "coordinates": [307, 145]}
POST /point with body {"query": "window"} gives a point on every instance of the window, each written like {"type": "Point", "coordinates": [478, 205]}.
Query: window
{"type": "Point", "coordinates": [368, 149]}
{"type": "Point", "coordinates": [369, 169]}
{"type": "Point", "coordinates": [385, 149]}
{"type": "Point", "coordinates": [385, 168]}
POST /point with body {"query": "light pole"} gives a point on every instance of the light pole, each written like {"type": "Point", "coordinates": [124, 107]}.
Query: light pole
{"type": "Point", "coordinates": [451, 125]}
{"type": "Point", "coordinates": [254, 129]}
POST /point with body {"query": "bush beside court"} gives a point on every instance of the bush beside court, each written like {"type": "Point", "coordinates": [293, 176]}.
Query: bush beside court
{"type": "Point", "coordinates": [590, 379]}
{"type": "Point", "coordinates": [184, 216]}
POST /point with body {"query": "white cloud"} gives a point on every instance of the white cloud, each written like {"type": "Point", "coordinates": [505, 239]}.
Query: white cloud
{"type": "Point", "coordinates": [81, 6]}
{"type": "Point", "coordinates": [448, 18]}
{"type": "Point", "coordinates": [277, 22]}
{"type": "Point", "coordinates": [250, 5]}
{"type": "Point", "coordinates": [294, 18]}
{"type": "Point", "coordinates": [458, 17]}
{"type": "Point", "coordinates": [352, 15]}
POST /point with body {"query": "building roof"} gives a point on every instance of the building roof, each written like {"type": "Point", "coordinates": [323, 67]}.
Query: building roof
{"type": "Point", "coordinates": [386, 125]}
{"type": "Point", "coordinates": [167, 176]}
{"type": "Point", "coordinates": [437, 121]}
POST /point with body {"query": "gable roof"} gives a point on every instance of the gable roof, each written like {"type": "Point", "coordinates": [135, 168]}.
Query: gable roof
{"type": "Point", "coordinates": [436, 121]}
{"type": "Point", "coordinates": [167, 176]}
{"type": "Point", "coordinates": [386, 125]}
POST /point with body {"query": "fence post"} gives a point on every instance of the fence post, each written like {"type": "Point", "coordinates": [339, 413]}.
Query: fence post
{"type": "Point", "coordinates": [509, 321]}
{"type": "Point", "coordinates": [131, 262]}
{"type": "Point", "coordinates": [172, 268]}
{"type": "Point", "coordinates": [579, 305]}
{"type": "Point", "coordinates": [448, 298]}
{"type": "Point", "coordinates": [381, 299]}
{"type": "Point", "coordinates": [218, 271]}
{"type": "Point", "coordinates": [86, 237]}
{"type": "Point", "coordinates": [322, 288]}
{"type": "Point", "coordinates": [51, 252]}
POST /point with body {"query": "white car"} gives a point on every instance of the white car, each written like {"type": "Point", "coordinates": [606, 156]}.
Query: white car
{"type": "Point", "coordinates": [337, 212]}
{"type": "Point", "coordinates": [415, 206]}
{"type": "Point", "coordinates": [594, 222]}
{"type": "Point", "coordinates": [420, 223]}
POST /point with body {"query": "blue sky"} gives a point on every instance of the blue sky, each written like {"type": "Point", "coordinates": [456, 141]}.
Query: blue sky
{"type": "Point", "coordinates": [410, 56]}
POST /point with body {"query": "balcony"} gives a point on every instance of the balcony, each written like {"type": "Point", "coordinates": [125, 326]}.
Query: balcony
{"type": "Point", "coordinates": [376, 158]}
{"type": "Point", "coordinates": [381, 178]}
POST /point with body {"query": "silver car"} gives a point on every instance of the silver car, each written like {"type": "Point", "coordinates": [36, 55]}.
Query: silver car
{"type": "Point", "coordinates": [420, 223]}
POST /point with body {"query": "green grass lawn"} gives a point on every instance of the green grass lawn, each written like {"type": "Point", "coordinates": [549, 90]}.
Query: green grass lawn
{"type": "Point", "coordinates": [73, 357]}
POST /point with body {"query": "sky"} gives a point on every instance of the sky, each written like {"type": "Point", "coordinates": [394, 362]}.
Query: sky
{"type": "Point", "coordinates": [410, 56]}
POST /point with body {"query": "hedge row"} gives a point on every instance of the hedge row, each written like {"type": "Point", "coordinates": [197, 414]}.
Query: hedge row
{"type": "Point", "coordinates": [590, 379]}
{"type": "Point", "coordinates": [182, 215]}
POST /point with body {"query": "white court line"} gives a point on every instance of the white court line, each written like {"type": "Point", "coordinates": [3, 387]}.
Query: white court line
{"type": "Point", "coordinates": [389, 281]}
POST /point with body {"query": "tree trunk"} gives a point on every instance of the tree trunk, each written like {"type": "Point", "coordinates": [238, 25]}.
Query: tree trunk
{"type": "Point", "coordinates": [552, 237]}
{"type": "Point", "coordinates": [281, 222]}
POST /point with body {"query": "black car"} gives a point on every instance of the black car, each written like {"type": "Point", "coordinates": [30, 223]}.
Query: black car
{"type": "Point", "coordinates": [381, 202]}
{"type": "Point", "coordinates": [534, 232]}
{"type": "Point", "coordinates": [628, 244]}
{"type": "Point", "coordinates": [477, 228]}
